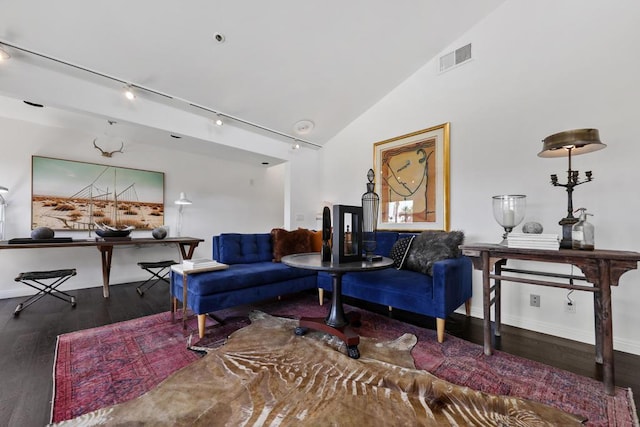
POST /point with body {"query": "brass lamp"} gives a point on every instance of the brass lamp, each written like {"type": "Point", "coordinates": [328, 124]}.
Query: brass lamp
{"type": "Point", "coordinates": [567, 144]}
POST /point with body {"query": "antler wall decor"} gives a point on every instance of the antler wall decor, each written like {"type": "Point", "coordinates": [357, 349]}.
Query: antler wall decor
{"type": "Point", "coordinates": [108, 153]}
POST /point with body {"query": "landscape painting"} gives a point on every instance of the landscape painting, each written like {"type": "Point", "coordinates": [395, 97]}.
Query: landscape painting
{"type": "Point", "coordinates": [71, 195]}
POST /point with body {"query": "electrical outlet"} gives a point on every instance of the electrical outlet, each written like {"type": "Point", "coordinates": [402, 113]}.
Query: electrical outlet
{"type": "Point", "coordinates": [570, 307]}
{"type": "Point", "coordinates": [534, 300]}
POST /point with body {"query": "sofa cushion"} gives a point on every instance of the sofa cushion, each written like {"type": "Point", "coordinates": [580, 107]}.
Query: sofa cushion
{"type": "Point", "coordinates": [432, 246]}
{"type": "Point", "coordinates": [404, 289]}
{"type": "Point", "coordinates": [400, 250]}
{"type": "Point", "coordinates": [290, 242]}
{"type": "Point", "coordinates": [235, 248]}
{"type": "Point", "coordinates": [241, 276]}
{"type": "Point", "coordinates": [385, 241]}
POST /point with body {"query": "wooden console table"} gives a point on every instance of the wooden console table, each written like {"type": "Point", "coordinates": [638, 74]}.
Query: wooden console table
{"type": "Point", "coordinates": [186, 245]}
{"type": "Point", "coordinates": [601, 268]}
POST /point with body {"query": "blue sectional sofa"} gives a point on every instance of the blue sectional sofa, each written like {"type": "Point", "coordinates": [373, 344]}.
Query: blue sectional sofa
{"type": "Point", "coordinates": [253, 276]}
{"type": "Point", "coordinates": [437, 296]}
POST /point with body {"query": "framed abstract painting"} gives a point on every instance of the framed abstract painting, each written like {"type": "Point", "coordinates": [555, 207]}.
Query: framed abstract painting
{"type": "Point", "coordinates": [413, 180]}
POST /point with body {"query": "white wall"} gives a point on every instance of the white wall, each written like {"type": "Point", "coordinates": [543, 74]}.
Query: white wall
{"type": "Point", "coordinates": [227, 197]}
{"type": "Point", "coordinates": [303, 196]}
{"type": "Point", "coordinates": [539, 68]}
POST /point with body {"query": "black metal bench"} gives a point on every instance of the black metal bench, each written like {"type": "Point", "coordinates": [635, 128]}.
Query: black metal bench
{"type": "Point", "coordinates": [34, 279]}
{"type": "Point", "coordinates": [161, 274]}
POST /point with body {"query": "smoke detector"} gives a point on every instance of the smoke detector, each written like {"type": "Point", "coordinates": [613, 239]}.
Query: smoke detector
{"type": "Point", "coordinates": [303, 127]}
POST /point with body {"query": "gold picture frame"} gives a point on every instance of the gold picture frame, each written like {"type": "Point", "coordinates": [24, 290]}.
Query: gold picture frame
{"type": "Point", "coordinates": [412, 179]}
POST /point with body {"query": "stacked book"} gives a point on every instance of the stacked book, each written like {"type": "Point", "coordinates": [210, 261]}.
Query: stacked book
{"type": "Point", "coordinates": [190, 264]}
{"type": "Point", "coordinates": [198, 265]}
{"type": "Point", "coordinates": [533, 241]}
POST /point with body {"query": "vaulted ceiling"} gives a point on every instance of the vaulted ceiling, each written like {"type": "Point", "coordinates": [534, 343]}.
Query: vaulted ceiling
{"type": "Point", "coordinates": [280, 62]}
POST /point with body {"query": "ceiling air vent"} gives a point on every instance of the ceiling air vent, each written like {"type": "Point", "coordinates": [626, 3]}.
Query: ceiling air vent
{"type": "Point", "coordinates": [456, 57]}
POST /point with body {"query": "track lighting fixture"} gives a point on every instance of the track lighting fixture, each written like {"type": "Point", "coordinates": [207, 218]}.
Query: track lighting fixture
{"type": "Point", "coordinates": [129, 93]}
{"type": "Point", "coordinates": [4, 55]}
{"type": "Point", "coordinates": [296, 145]}
{"type": "Point", "coordinates": [302, 127]}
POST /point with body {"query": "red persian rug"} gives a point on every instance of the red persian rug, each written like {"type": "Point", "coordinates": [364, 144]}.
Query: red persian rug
{"type": "Point", "coordinates": [103, 366]}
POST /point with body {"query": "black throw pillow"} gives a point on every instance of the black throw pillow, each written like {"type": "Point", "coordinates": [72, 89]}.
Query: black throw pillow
{"type": "Point", "coordinates": [399, 251]}
{"type": "Point", "coordinates": [432, 246]}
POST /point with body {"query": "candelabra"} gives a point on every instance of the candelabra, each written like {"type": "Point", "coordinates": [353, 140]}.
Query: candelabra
{"type": "Point", "coordinates": [570, 143]}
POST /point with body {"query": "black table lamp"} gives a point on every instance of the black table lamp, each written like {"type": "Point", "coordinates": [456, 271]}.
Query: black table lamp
{"type": "Point", "coordinates": [567, 144]}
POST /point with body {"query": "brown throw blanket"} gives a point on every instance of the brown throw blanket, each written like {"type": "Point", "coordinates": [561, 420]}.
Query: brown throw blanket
{"type": "Point", "coordinates": [266, 375]}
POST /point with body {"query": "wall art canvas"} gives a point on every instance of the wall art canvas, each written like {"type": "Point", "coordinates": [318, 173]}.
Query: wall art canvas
{"type": "Point", "coordinates": [413, 180]}
{"type": "Point", "coordinates": [72, 195]}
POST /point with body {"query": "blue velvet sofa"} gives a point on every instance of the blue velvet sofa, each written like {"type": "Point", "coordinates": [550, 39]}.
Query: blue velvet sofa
{"type": "Point", "coordinates": [253, 276]}
{"type": "Point", "coordinates": [437, 296]}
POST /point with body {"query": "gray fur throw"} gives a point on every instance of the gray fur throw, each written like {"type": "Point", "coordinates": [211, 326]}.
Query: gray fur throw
{"type": "Point", "coordinates": [432, 246]}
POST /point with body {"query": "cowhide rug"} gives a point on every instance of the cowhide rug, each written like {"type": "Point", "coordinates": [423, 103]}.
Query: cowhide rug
{"type": "Point", "coordinates": [266, 375]}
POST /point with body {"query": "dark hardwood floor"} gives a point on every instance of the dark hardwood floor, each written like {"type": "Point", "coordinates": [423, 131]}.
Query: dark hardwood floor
{"type": "Point", "coordinates": [28, 342]}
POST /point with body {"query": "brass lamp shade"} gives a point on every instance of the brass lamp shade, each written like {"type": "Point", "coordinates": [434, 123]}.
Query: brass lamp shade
{"type": "Point", "coordinates": [579, 140]}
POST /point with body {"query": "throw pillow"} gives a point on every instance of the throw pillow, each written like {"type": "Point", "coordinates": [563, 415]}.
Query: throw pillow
{"type": "Point", "coordinates": [399, 251]}
{"type": "Point", "coordinates": [432, 246]}
{"type": "Point", "coordinates": [289, 242]}
{"type": "Point", "coordinates": [316, 239]}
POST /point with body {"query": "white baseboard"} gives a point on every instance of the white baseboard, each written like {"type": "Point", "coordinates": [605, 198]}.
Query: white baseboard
{"type": "Point", "coordinates": [562, 331]}
{"type": "Point", "coordinates": [26, 291]}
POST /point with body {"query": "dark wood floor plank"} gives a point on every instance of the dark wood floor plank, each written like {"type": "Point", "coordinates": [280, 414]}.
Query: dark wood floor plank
{"type": "Point", "coordinates": [28, 344]}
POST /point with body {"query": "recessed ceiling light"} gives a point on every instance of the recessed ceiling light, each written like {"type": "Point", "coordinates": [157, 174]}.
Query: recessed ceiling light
{"type": "Point", "coordinates": [175, 136]}
{"type": "Point", "coordinates": [303, 127]}
{"type": "Point", "coordinates": [219, 37]}
{"type": "Point", "coordinates": [33, 104]}
{"type": "Point", "coordinates": [265, 163]}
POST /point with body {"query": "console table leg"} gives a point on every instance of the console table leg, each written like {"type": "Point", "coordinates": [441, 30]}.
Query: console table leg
{"type": "Point", "coordinates": [106, 253]}
{"type": "Point", "coordinates": [183, 249]}
{"type": "Point", "coordinates": [606, 332]}
{"type": "Point", "coordinates": [497, 307]}
{"type": "Point", "coordinates": [598, 321]}
{"type": "Point", "coordinates": [486, 303]}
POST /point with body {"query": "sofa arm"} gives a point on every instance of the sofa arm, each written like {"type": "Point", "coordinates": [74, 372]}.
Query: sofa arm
{"type": "Point", "coordinates": [452, 284]}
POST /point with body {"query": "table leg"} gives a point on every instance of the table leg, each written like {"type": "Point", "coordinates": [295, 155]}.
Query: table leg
{"type": "Point", "coordinates": [183, 249]}
{"type": "Point", "coordinates": [336, 323]}
{"type": "Point", "coordinates": [184, 301]}
{"type": "Point", "coordinates": [336, 317]}
{"type": "Point", "coordinates": [603, 316]}
{"type": "Point", "coordinates": [185, 254]}
{"type": "Point", "coordinates": [486, 303]}
{"type": "Point", "coordinates": [598, 323]}
{"type": "Point", "coordinates": [497, 308]}
{"type": "Point", "coordinates": [106, 253]}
